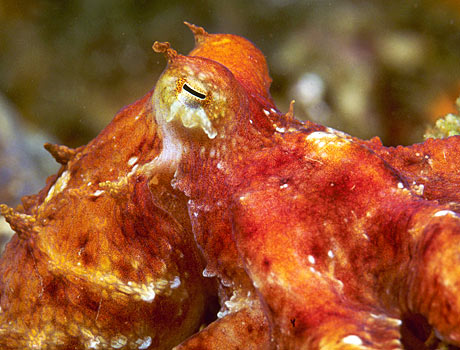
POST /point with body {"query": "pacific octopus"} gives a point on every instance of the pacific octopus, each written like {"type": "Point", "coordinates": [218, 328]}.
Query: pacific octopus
{"type": "Point", "coordinates": [203, 189]}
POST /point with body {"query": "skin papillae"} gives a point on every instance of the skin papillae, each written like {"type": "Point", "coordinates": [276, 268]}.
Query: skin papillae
{"type": "Point", "coordinates": [317, 240]}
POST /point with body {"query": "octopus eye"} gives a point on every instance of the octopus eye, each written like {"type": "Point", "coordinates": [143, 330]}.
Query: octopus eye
{"type": "Point", "coordinates": [193, 92]}
{"type": "Point", "coordinates": [190, 106]}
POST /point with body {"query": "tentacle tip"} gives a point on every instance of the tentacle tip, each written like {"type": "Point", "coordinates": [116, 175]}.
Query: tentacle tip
{"type": "Point", "coordinates": [62, 154]}
{"type": "Point", "coordinates": [4, 209]}
{"type": "Point", "coordinates": [165, 49]}
{"type": "Point", "coordinates": [198, 32]}
{"type": "Point", "coordinates": [290, 112]}
{"type": "Point", "coordinates": [23, 224]}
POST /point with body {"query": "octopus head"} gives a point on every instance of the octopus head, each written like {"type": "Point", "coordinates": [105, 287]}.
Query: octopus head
{"type": "Point", "coordinates": [196, 93]}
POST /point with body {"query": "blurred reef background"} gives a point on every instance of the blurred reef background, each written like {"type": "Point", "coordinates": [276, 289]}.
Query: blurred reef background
{"type": "Point", "coordinates": [386, 68]}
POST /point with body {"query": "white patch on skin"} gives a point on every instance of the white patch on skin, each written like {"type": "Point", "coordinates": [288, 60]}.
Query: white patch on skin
{"type": "Point", "coordinates": [191, 117]}
{"type": "Point", "coordinates": [284, 186]}
{"type": "Point", "coordinates": [59, 185]}
{"type": "Point", "coordinates": [98, 193]}
{"type": "Point", "coordinates": [446, 212]}
{"type": "Point", "coordinates": [396, 321]}
{"type": "Point", "coordinates": [352, 340]}
{"type": "Point", "coordinates": [170, 155]}
{"type": "Point", "coordinates": [281, 130]}
{"type": "Point", "coordinates": [316, 272]}
{"type": "Point", "coordinates": [267, 113]}
{"type": "Point", "coordinates": [400, 185]}
{"type": "Point", "coordinates": [319, 135]}
{"type": "Point", "coordinates": [338, 133]}
{"type": "Point", "coordinates": [311, 259]}
{"type": "Point", "coordinates": [237, 301]}
{"type": "Point", "coordinates": [133, 170]}
{"type": "Point", "coordinates": [175, 283]}
{"type": "Point", "coordinates": [132, 161]}
{"type": "Point", "coordinates": [222, 314]}
{"type": "Point", "coordinates": [340, 283]}
{"type": "Point", "coordinates": [144, 343]}
{"type": "Point", "coordinates": [418, 189]}
{"type": "Point", "coordinates": [322, 139]}
{"type": "Point", "coordinates": [330, 254]}
{"type": "Point", "coordinates": [146, 291]}
{"type": "Point", "coordinates": [148, 294]}
{"type": "Point", "coordinates": [118, 342]}
{"type": "Point", "coordinates": [93, 343]}
{"type": "Point", "coordinates": [208, 273]}
{"type": "Point", "coordinates": [188, 70]}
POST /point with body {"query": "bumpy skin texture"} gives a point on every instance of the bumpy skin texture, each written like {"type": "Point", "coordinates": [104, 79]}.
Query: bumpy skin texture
{"type": "Point", "coordinates": [318, 240]}
{"type": "Point", "coordinates": [98, 260]}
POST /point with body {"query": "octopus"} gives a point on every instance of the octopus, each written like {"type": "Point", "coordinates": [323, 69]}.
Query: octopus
{"type": "Point", "coordinates": [203, 193]}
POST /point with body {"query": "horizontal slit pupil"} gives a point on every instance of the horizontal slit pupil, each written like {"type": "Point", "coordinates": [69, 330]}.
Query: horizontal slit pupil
{"type": "Point", "coordinates": [194, 92]}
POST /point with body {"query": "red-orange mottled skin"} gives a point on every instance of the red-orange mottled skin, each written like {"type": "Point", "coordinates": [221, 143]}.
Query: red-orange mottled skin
{"type": "Point", "coordinates": [318, 240]}
{"type": "Point", "coordinates": [98, 260]}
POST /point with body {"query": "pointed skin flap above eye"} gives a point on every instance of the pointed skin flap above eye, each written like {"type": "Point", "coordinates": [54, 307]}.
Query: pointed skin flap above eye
{"type": "Point", "coordinates": [239, 55]}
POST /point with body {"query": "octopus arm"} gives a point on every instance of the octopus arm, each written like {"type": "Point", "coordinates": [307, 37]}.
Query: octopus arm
{"type": "Point", "coordinates": [243, 329]}
{"type": "Point", "coordinates": [434, 272]}
{"type": "Point", "coordinates": [307, 306]}
{"type": "Point", "coordinates": [431, 168]}
{"type": "Point", "coordinates": [340, 250]}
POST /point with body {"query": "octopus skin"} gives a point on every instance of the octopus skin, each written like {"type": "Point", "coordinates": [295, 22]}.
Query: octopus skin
{"type": "Point", "coordinates": [98, 261]}
{"type": "Point", "coordinates": [309, 238]}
